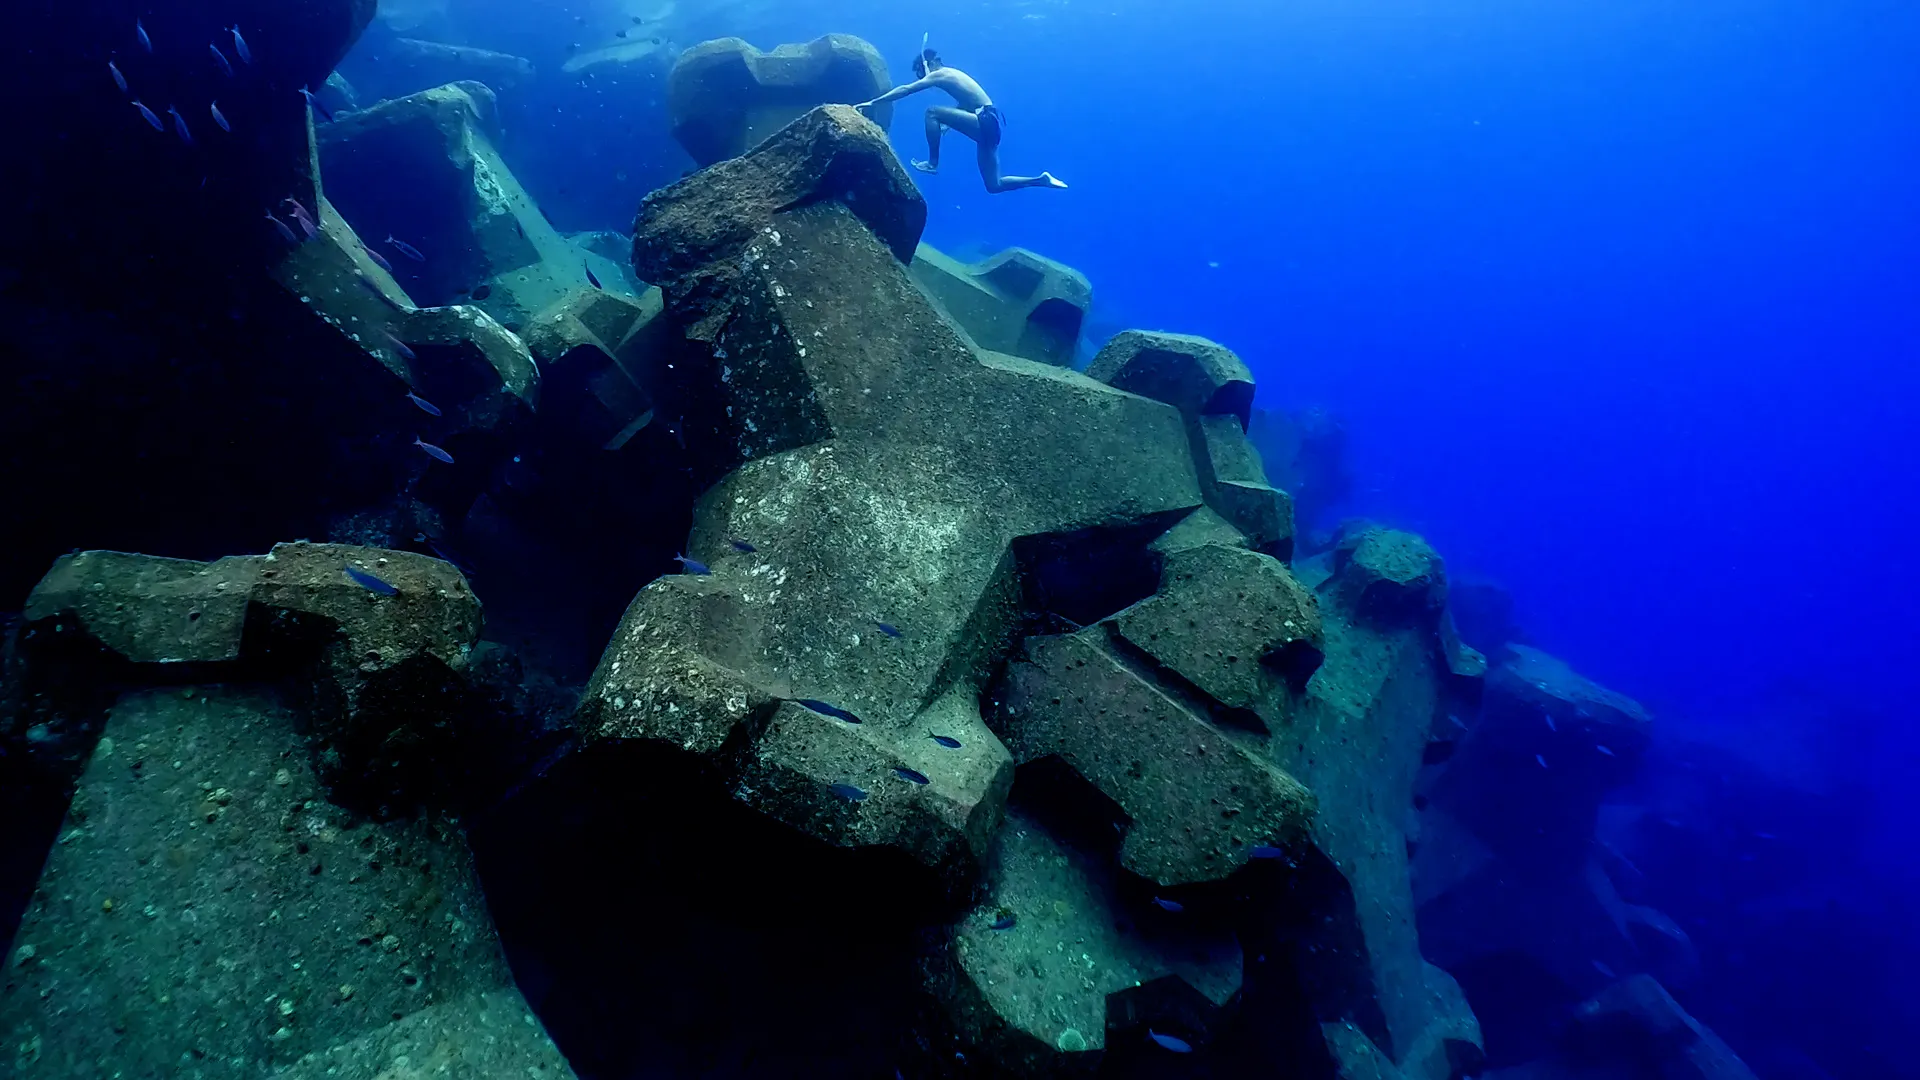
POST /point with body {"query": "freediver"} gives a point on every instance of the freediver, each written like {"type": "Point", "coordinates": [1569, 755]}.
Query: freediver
{"type": "Point", "coordinates": [976, 117]}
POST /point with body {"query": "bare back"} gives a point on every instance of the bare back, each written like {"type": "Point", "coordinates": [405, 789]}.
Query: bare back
{"type": "Point", "coordinates": [960, 86]}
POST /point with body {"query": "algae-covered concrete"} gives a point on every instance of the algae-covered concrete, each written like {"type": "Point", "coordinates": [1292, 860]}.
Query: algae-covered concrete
{"type": "Point", "coordinates": [243, 883]}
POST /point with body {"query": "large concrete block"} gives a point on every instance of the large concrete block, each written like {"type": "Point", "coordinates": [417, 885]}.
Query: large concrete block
{"type": "Point", "coordinates": [726, 96]}
{"type": "Point", "coordinates": [1016, 302]}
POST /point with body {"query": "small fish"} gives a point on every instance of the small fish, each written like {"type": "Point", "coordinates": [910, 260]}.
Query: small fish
{"type": "Point", "coordinates": [221, 59]}
{"type": "Point", "coordinates": [691, 566]}
{"type": "Point", "coordinates": [743, 547]}
{"type": "Point", "coordinates": [911, 776]}
{"type": "Point", "coordinates": [1004, 922]}
{"type": "Point", "coordinates": [1542, 759]}
{"type": "Point", "coordinates": [398, 345]}
{"type": "Point", "coordinates": [1265, 851]}
{"type": "Point", "coordinates": [318, 109]}
{"type": "Point", "coordinates": [423, 404]}
{"type": "Point", "coordinates": [119, 80]}
{"type": "Point", "coordinates": [240, 45]}
{"type": "Point", "coordinates": [1170, 1042]}
{"type": "Point", "coordinates": [1765, 836]}
{"type": "Point", "coordinates": [1165, 904]}
{"type": "Point", "coordinates": [219, 117]}
{"type": "Point", "coordinates": [1604, 970]}
{"type": "Point", "coordinates": [406, 249]}
{"type": "Point", "coordinates": [889, 629]}
{"type": "Point", "coordinates": [848, 792]}
{"type": "Point", "coordinates": [825, 709]}
{"type": "Point", "coordinates": [481, 292]}
{"type": "Point", "coordinates": [1604, 750]}
{"type": "Point", "coordinates": [1550, 724]}
{"type": "Point", "coordinates": [286, 231]}
{"type": "Point", "coordinates": [140, 31]}
{"type": "Point", "coordinates": [1457, 722]}
{"type": "Point", "coordinates": [301, 217]}
{"type": "Point", "coordinates": [947, 741]}
{"type": "Point", "coordinates": [591, 280]}
{"type": "Point", "coordinates": [149, 116]}
{"type": "Point", "coordinates": [369, 582]}
{"type": "Point", "coordinates": [180, 125]}
{"type": "Point", "coordinates": [620, 33]}
{"type": "Point", "coordinates": [433, 451]}
{"type": "Point", "coordinates": [379, 260]}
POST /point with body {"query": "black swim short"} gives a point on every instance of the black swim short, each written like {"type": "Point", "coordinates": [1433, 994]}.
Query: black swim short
{"type": "Point", "coordinates": [992, 121]}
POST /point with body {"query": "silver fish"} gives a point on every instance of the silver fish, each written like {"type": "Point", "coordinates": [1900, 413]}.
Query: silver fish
{"type": "Point", "coordinates": [119, 80]}
{"type": "Point", "coordinates": [433, 451]}
{"type": "Point", "coordinates": [286, 232]}
{"type": "Point", "coordinates": [219, 117]}
{"type": "Point", "coordinates": [140, 31]}
{"type": "Point", "coordinates": [240, 46]}
{"type": "Point", "coordinates": [221, 59]}
{"type": "Point", "coordinates": [180, 125]}
{"type": "Point", "coordinates": [148, 114]}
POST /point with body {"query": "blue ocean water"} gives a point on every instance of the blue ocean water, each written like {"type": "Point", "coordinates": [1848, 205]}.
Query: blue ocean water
{"type": "Point", "coordinates": [1616, 304]}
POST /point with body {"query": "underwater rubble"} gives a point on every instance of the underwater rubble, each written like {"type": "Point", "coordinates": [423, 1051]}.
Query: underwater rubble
{"type": "Point", "coordinates": [995, 723]}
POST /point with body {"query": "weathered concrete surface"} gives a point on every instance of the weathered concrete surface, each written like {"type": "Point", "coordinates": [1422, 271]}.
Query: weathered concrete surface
{"type": "Point", "coordinates": [383, 668]}
{"type": "Point", "coordinates": [888, 472]}
{"type": "Point", "coordinates": [213, 907]}
{"type": "Point", "coordinates": [726, 96]}
{"type": "Point", "coordinates": [1358, 740]}
{"type": "Point", "coordinates": [1015, 302]}
{"type": "Point", "coordinates": [1390, 577]}
{"type": "Point", "coordinates": [593, 346]}
{"type": "Point", "coordinates": [1213, 391]}
{"type": "Point", "coordinates": [462, 208]}
{"type": "Point", "coordinates": [1194, 375]}
{"type": "Point", "coordinates": [207, 912]}
{"type": "Point", "coordinates": [1232, 623]}
{"type": "Point", "coordinates": [1196, 798]}
{"type": "Point", "coordinates": [1042, 1010]}
{"type": "Point", "coordinates": [688, 233]}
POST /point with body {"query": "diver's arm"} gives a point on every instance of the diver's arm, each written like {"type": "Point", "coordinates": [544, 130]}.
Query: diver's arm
{"type": "Point", "coordinates": [899, 92]}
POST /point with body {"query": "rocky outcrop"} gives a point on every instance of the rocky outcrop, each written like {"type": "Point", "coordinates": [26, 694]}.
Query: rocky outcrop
{"type": "Point", "coordinates": [1634, 1028]}
{"type": "Point", "coordinates": [241, 880]}
{"type": "Point", "coordinates": [726, 96]}
{"type": "Point", "coordinates": [1513, 890]}
{"type": "Point", "coordinates": [1016, 302]}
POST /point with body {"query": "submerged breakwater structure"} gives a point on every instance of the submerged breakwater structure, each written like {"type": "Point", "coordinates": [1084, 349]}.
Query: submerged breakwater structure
{"type": "Point", "coordinates": [755, 644]}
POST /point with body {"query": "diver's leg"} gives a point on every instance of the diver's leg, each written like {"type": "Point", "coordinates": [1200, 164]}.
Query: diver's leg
{"type": "Point", "coordinates": [939, 118]}
{"type": "Point", "coordinates": [990, 172]}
